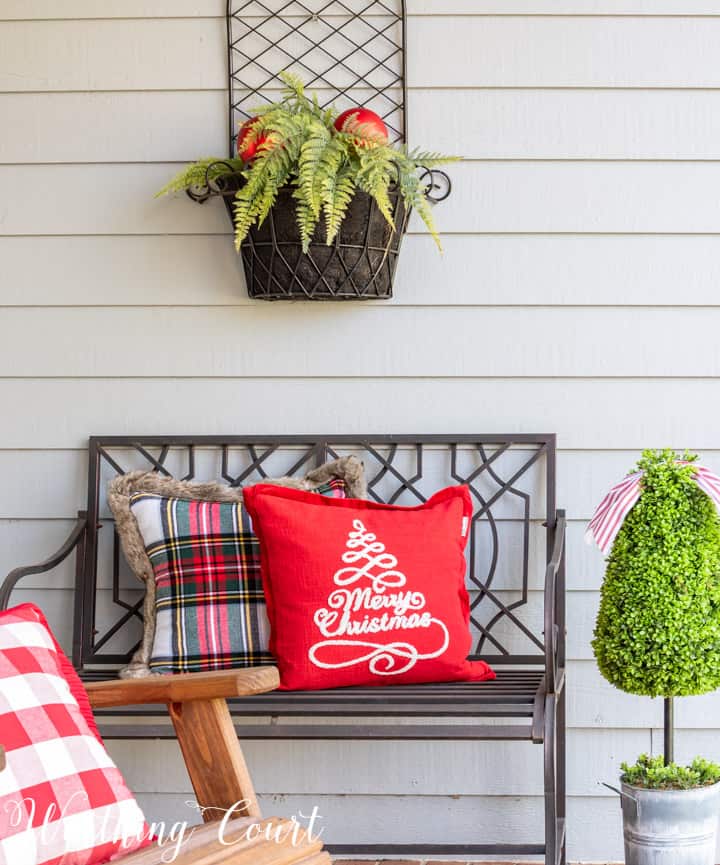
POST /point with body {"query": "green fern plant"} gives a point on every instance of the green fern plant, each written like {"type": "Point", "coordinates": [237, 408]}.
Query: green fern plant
{"type": "Point", "coordinates": [298, 146]}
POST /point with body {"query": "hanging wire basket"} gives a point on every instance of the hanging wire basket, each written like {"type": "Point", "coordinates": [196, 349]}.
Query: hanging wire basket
{"type": "Point", "coordinates": [352, 52]}
{"type": "Point", "coordinates": [358, 265]}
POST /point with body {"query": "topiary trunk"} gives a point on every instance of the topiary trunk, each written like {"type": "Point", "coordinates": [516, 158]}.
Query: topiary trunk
{"type": "Point", "coordinates": [658, 629]}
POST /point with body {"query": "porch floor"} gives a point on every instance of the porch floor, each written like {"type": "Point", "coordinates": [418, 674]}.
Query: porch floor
{"type": "Point", "coordinates": [442, 862]}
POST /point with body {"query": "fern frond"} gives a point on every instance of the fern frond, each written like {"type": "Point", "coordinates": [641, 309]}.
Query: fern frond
{"type": "Point", "coordinates": [413, 190]}
{"type": "Point", "coordinates": [321, 156]}
{"type": "Point", "coordinates": [294, 85]}
{"type": "Point", "coordinates": [338, 192]}
{"type": "Point", "coordinates": [429, 159]}
{"type": "Point", "coordinates": [196, 175]}
{"type": "Point", "coordinates": [267, 174]}
{"type": "Point", "coordinates": [375, 175]}
{"type": "Point", "coordinates": [424, 209]}
{"type": "Point", "coordinates": [306, 221]}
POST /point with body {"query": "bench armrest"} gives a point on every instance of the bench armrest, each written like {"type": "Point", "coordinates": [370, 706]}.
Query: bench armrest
{"type": "Point", "coordinates": [553, 605]}
{"type": "Point", "coordinates": [14, 577]}
{"type": "Point", "coordinates": [197, 704]}
{"type": "Point", "coordinates": [182, 688]}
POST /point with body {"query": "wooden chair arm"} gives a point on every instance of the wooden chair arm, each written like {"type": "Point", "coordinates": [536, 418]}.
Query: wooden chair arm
{"type": "Point", "coordinates": [183, 688]}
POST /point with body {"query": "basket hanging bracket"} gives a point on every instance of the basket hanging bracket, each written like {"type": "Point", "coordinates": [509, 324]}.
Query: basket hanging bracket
{"type": "Point", "coordinates": [351, 52]}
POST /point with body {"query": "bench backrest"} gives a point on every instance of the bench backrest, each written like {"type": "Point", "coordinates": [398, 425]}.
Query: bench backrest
{"type": "Point", "coordinates": [511, 478]}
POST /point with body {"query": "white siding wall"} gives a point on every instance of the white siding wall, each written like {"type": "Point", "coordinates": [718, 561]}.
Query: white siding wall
{"type": "Point", "coordinates": [578, 293]}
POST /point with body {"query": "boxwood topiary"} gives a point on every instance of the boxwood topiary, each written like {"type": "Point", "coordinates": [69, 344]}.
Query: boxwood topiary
{"type": "Point", "coordinates": [658, 629]}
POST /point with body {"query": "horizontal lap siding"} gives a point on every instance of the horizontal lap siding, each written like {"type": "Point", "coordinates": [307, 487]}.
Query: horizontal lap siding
{"type": "Point", "coordinates": [476, 270]}
{"type": "Point", "coordinates": [78, 9]}
{"type": "Point", "coordinates": [488, 197]}
{"type": "Point", "coordinates": [577, 293]}
{"type": "Point", "coordinates": [147, 339]}
{"type": "Point", "coordinates": [517, 51]}
{"type": "Point", "coordinates": [593, 414]}
{"type": "Point", "coordinates": [523, 123]}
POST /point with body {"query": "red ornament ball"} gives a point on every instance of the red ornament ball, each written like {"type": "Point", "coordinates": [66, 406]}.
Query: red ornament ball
{"type": "Point", "coordinates": [247, 145]}
{"type": "Point", "coordinates": [369, 125]}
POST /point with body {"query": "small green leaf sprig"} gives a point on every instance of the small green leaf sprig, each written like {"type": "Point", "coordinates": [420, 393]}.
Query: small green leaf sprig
{"type": "Point", "coordinates": [651, 773]}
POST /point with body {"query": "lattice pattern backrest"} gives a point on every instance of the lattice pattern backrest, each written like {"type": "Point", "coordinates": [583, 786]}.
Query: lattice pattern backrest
{"type": "Point", "coordinates": [512, 481]}
{"type": "Point", "coordinates": [352, 52]}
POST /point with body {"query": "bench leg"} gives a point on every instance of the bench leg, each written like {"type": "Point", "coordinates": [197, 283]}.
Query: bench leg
{"type": "Point", "coordinates": [550, 774]}
{"type": "Point", "coordinates": [554, 764]}
{"type": "Point", "coordinates": [561, 774]}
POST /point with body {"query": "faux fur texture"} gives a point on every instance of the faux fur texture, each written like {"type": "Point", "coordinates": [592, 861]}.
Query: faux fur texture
{"type": "Point", "coordinates": [348, 469]}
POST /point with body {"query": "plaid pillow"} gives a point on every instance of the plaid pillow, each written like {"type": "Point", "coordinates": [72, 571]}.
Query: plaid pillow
{"type": "Point", "coordinates": [210, 606]}
{"type": "Point", "coordinates": [62, 799]}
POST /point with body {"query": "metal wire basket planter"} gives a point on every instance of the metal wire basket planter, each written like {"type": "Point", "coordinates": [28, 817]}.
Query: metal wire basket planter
{"type": "Point", "coordinates": [359, 264]}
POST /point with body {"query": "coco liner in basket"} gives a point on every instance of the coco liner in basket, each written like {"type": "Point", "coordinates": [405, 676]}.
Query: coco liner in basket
{"type": "Point", "coordinates": [359, 264]}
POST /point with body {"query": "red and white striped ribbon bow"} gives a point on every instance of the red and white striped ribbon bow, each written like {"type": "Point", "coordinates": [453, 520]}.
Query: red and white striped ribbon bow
{"type": "Point", "coordinates": [612, 510]}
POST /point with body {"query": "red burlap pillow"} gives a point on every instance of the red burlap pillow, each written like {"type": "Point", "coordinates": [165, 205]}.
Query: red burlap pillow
{"type": "Point", "coordinates": [360, 593]}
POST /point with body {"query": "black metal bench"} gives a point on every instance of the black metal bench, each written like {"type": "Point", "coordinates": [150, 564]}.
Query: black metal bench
{"type": "Point", "coordinates": [518, 613]}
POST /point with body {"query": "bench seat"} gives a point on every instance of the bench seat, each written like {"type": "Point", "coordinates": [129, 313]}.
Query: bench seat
{"type": "Point", "coordinates": [515, 695]}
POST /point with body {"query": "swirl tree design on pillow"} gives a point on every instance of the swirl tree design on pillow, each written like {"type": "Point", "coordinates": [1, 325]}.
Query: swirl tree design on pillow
{"type": "Point", "coordinates": [372, 598]}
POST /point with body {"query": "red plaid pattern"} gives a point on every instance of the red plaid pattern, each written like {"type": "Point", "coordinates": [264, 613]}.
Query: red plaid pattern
{"type": "Point", "coordinates": [210, 609]}
{"type": "Point", "coordinates": [62, 799]}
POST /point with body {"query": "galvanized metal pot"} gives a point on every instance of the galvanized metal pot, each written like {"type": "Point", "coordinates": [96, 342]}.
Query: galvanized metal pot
{"type": "Point", "coordinates": [670, 827]}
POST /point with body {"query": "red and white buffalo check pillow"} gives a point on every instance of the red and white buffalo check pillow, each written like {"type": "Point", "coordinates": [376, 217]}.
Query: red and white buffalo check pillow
{"type": "Point", "coordinates": [62, 799]}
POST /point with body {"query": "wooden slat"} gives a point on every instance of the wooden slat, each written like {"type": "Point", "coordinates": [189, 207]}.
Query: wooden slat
{"type": "Point", "coordinates": [193, 841]}
{"type": "Point", "coordinates": [318, 859]}
{"type": "Point", "coordinates": [244, 841]}
{"type": "Point", "coordinates": [183, 687]}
